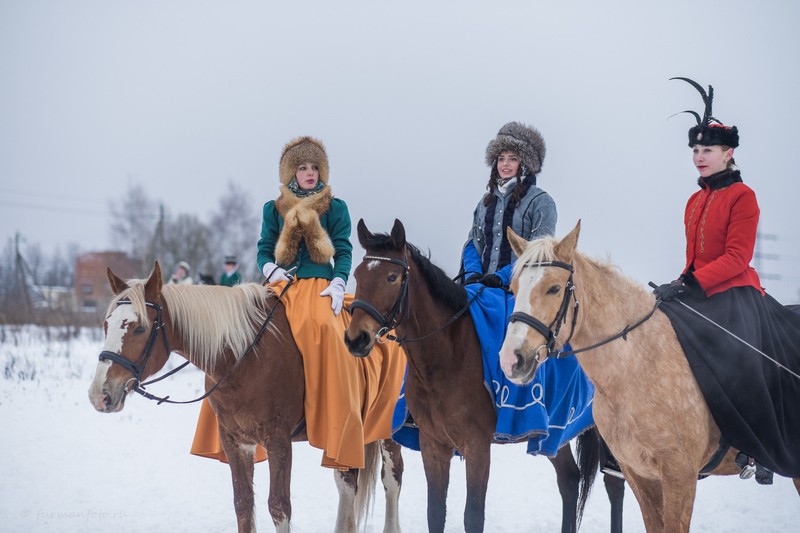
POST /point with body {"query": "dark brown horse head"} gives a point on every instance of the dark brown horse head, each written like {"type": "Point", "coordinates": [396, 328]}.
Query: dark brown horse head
{"type": "Point", "coordinates": [540, 293]}
{"type": "Point", "coordinates": [135, 346]}
{"type": "Point", "coordinates": [381, 278]}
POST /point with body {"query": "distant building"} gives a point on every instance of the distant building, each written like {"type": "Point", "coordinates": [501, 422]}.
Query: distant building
{"type": "Point", "coordinates": [92, 293]}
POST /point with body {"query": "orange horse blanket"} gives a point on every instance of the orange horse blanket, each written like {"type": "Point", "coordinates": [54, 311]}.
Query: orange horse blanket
{"type": "Point", "coordinates": [349, 401]}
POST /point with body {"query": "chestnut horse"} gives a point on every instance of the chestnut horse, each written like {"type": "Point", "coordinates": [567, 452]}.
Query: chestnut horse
{"type": "Point", "coordinates": [647, 404]}
{"type": "Point", "coordinates": [445, 388]}
{"type": "Point", "coordinates": [259, 397]}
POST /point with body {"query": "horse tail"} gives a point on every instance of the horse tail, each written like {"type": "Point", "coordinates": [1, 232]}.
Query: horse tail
{"type": "Point", "coordinates": [588, 450]}
{"type": "Point", "coordinates": [367, 478]}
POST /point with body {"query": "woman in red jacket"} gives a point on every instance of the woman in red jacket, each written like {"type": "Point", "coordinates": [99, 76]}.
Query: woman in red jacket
{"type": "Point", "coordinates": [742, 345]}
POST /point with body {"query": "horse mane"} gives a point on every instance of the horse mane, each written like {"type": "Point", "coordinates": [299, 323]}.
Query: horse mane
{"type": "Point", "coordinates": [212, 318]}
{"type": "Point", "coordinates": [543, 250]}
{"type": "Point", "coordinates": [538, 251]}
{"type": "Point", "coordinates": [441, 287]}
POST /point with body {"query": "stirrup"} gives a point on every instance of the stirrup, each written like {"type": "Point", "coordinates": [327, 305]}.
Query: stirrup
{"type": "Point", "coordinates": [612, 469]}
{"type": "Point", "coordinates": [747, 465]}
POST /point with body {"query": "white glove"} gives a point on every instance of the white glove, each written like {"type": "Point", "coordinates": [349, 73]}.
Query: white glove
{"type": "Point", "coordinates": [336, 291]}
{"type": "Point", "coordinates": [274, 273]}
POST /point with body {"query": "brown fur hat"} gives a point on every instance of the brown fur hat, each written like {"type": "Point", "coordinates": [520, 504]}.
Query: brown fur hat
{"type": "Point", "coordinates": [301, 150]}
{"type": "Point", "coordinates": [523, 140]}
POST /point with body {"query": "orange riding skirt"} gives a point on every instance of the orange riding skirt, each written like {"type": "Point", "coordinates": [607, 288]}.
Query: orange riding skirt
{"type": "Point", "coordinates": [349, 400]}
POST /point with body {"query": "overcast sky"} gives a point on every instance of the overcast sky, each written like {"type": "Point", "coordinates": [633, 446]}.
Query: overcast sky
{"type": "Point", "coordinates": [185, 96]}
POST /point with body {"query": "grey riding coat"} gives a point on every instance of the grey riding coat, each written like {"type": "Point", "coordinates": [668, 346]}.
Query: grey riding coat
{"type": "Point", "coordinates": [534, 217]}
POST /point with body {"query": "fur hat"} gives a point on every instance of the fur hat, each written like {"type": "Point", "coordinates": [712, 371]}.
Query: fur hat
{"type": "Point", "coordinates": [709, 131]}
{"type": "Point", "coordinates": [184, 265]}
{"type": "Point", "coordinates": [301, 150]}
{"type": "Point", "coordinates": [523, 140]}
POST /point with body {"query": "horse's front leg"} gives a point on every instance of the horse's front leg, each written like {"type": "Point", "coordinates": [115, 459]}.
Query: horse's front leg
{"type": "Point", "coordinates": [477, 456]}
{"type": "Point", "coordinates": [240, 460]}
{"type": "Point", "coordinates": [649, 495]}
{"type": "Point", "coordinates": [436, 462]}
{"type": "Point", "coordinates": [279, 450]}
{"type": "Point", "coordinates": [567, 478]}
{"type": "Point", "coordinates": [346, 481]}
{"type": "Point", "coordinates": [392, 479]}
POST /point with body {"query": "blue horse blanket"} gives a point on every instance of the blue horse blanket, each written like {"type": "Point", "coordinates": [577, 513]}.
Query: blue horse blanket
{"type": "Point", "coordinates": [550, 411]}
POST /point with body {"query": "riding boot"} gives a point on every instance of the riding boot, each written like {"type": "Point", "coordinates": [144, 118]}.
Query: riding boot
{"type": "Point", "coordinates": [609, 462]}
{"type": "Point", "coordinates": [763, 475]}
{"type": "Point", "coordinates": [746, 464]}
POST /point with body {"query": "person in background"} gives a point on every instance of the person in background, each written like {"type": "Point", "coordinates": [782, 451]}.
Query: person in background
{"type": "Point", "coordinates": [230, 276]}
{"type": "Point", "coordinates": [182, 275]}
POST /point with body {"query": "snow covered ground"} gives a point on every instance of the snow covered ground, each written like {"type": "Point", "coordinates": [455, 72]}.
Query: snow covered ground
{"type": "Point", "coordinates": [64, 467]}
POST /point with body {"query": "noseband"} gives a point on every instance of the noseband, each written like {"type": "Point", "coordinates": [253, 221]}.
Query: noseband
{"type": "Point", "coordinates": [393, 318]}
{"type": "Point", "coordinates": [550, 332]}
{"type": "Point", "coordinates": [137, 368]}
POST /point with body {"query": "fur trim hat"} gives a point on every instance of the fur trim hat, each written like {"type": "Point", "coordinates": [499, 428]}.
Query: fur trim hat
{"type": "Point", "coordinates": [523, 140]}
{"type": "Point", "coordinates": [301, 150]}
{"type": "Point", "coordinates": [709, 131]}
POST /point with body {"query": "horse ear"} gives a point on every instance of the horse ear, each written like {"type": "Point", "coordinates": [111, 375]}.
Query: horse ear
{"type": "Point", "coordinates": [364, 234]}
{"type": "Point", "coordinates": [566, 248]}
{"type": "Point", "coordinates": [518, 244]}
{"type": "Point", "coordinates": [152, 287]}
{"type": "Point", "coordinates": [398, 235]}
{"type": "Point", "coordinates": [117, 285]}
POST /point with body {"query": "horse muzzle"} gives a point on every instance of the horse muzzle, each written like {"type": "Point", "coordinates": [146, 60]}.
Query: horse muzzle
{"type": "Point", "coordinates": [361, 345]}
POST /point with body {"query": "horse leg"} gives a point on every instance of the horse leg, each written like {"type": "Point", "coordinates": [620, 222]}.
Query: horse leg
{"type": "Point", "coordinates": [279, 451]}
{"type": "Point", "coordinates": [567, 477]}
{"type": "Point", "coordinates": [648, 494]}
{"type": "Point", "coordinates": [678, 486]}
{"type": "Point", "coordinates": [240, 460]}
{"type": "Point", "coordinates": [478, 458]}
{"type": "Point", "coordinates": [797, 484]}
{"type": "Point", "coordinates": [615, 488]}
{"type": "Point", "coordinates": [392, 478]}
{"type": "Point", "coordinates": [346, 485]}
{"type": "Point", "coordinates": [436, 462]}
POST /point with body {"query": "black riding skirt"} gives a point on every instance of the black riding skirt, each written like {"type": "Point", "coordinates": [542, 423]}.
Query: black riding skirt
{"type": "Point", "coordinates": [755, 403]}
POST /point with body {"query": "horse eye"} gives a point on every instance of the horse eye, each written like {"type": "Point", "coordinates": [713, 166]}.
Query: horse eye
{"type": "Point", "coordinates": [392, 278]}
{"type": "Point", "coordinates": [555, 289]}
{"type": "Point", "coordinates": [139, 330]}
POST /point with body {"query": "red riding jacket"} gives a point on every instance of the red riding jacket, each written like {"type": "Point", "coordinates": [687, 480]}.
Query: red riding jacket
{"type": "Point", "coordinates": [721, 221]}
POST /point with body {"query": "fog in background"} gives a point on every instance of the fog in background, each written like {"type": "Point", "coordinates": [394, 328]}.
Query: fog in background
{"type": "Point", "coordinates": [187, 96]}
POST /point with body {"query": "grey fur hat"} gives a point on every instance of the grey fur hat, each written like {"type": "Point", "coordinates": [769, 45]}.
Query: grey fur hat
{"type": "Point", "coordinates": [302, 150]}
{"type": "Point", "coordinates": [523, 140]}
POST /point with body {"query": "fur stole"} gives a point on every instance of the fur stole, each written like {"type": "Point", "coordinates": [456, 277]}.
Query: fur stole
{"type": "Point", "coordinates": [301, 221]}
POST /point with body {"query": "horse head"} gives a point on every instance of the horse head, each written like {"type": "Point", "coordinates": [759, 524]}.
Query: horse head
{"type": "Point", "coordinates": [131, 353]}
{"type": "Point", "coordinates": [382, 285]}
{"type": "Point", "coordinates": [543, 288]}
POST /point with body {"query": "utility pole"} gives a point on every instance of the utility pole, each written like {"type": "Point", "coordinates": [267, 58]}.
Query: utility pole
{"type": "Point", "coordinates": [759, 256]}
{"type": "Point", "coordinates": [20, 292]}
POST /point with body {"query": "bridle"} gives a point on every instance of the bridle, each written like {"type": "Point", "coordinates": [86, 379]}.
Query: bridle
{"type": "Point", "coordinates": [401, 307]}
{"type": "Point", "coordinates": [550, 332]}
{"type": "Point", "coordinates": [394, 317]}
{"type": "Point", "coordinates": [136, 368]}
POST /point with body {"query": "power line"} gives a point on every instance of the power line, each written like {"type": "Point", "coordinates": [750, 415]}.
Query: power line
{"type": "Point", "coordinates": [49, 195]}
{"type": "Point", "coordinates": [54, 208]}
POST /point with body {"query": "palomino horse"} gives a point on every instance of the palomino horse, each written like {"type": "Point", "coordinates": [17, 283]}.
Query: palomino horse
{"type": "Point", "coordinates": [259, 397]}
{"type": "Point", "coordinates": [445, 384]}
{"type": "Point", "coordinates": [647, 404]}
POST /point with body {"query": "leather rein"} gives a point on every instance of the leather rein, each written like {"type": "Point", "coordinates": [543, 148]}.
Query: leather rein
{"type": "Point", "coordinates": [550, 332]}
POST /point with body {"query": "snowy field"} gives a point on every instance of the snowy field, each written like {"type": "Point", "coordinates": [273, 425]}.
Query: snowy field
{"type": "Point", "coordinates": [67, 468]}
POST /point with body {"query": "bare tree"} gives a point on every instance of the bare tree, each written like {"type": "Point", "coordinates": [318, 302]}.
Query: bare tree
{"type": "Point", "coordinates": [187, 238]}
{"type": "Point", "coordinates": [133, 224]}
{"type": "Point", "coordinates": [235, 227]}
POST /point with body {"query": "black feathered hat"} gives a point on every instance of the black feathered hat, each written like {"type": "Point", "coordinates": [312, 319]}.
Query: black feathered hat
{"type": "Point", "coordinates": [709, 130]}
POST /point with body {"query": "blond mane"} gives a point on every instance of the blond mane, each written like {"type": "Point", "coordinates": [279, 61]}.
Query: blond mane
{"type": "Point", "coordinates": [537, 251]}
{"type": "Point", "coordinates": [212, 319]}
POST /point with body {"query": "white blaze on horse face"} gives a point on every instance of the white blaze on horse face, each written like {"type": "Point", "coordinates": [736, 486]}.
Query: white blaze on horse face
{"type": "Point", "coordinates": [517, 331]}
{"type": "Point", "coordinates": [373, 264]}
{"type": "Point", "coordinates": [116, 327]}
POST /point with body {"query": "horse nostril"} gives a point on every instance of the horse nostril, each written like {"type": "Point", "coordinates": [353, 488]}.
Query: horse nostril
{"type": "Point", "coordinates": [520, 357]}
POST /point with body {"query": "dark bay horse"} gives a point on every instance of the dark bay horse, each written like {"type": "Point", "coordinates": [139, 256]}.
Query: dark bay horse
{"type": "Point", "coordinates": [445, 388]}
{"type": "Point", "coordinates": [647, 405]}
{"type": "Point", "coordinates": [259, 399]}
